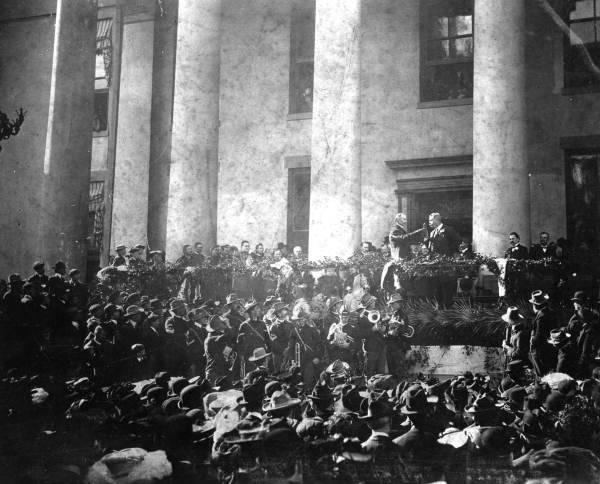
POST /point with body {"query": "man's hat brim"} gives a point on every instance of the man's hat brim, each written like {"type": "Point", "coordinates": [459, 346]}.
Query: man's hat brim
{"type": "Point", "coordinates": [259, 358]}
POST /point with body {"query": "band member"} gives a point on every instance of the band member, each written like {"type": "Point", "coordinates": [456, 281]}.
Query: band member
{"type": "Point", "coordinates": [305, 346]}
{"type": "Point", "coordinates": [396, 341]}
{"type": "Point", "coordinates": [252, 334]}
{"type": "Point", "coordinates": [280, 333]}
{"type": "Point", "coordinates": [219, 339]}
{"type": "Point", "coordinates": [343, 339]}
{"type": "Point", "coordinates": [374, 345]}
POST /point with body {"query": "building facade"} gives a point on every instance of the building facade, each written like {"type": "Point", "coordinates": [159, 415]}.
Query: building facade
{"type": "Point", "coordinates": [310, 122]}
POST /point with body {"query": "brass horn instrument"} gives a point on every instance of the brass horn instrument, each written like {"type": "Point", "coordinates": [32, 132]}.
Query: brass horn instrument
{"type": "Point", "coordinates": [397, 327]}
{"type": "Point", "coordinates": [373, 316]}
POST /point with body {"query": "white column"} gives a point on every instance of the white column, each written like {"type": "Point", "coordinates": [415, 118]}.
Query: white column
{"type": "Point", "coordinates": [67, 159]}
{"type": "Point", "coordinates": [192, 201]}
{"type": "Point", "coordinates": [500, 167]}
{"type": "Point", "coordinates": [335, 198]}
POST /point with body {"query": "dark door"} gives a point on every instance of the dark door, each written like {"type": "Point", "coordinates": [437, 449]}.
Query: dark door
{"type": "Point", "coordinates": [456, 208]}
{"type": "Point", "coordinates": [583, 199]}
{"type": "Point", "coordinates": [298, 214]}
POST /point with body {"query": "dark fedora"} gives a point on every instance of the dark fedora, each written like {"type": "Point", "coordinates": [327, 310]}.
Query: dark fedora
{"type": "Point", "coordinates": [177, 385]}
{"type": "Point", "coordinates": [558, 336]}
{"type": "Point", "coordinates": [539, 298]}
{"type": "Point", "coordinates": [377, 408]}
{"type": "Point", "coordinates": [253, 394]}
{"type": "Point", "coordinates": [415, 401]}
{"type": "Point", "coordinates": [215, 323]}
{"type": "Point", "coordinates": [580, 297]}
{"type": "Point", "coordinates": [191, 397]}
{"type": "Point", "coordinates": [481, 405]}
{"type": "Point", "coordinates": [321, 393]}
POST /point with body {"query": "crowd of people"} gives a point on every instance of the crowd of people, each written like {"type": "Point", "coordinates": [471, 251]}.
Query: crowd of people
{"type": "Point", "coordinates": [230, 388]}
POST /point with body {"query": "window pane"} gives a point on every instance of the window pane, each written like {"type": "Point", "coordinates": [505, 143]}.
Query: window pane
{"type": "Point", "coordinates": [438, 27]}
{"type": "Point", "coordinates": [585, 31]}
{"type": "Point", "coordinates": [583, 9]}
{"type": "Point", "coordinates": [438, 49]}
{"type": "Point", "coordinates": [301, 95]}
{"type": "Point", "coordinates": [449, 81]}
{"type": "Point", "coordinates": [463, 47]}
{"type": "Point", "coordinates": [100, 112]}
{"type": "Point", "coordinates": [461, 25]}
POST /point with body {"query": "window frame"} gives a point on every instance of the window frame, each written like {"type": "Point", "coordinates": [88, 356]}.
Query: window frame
{"type": "Point", "coordinates": [424, 62]}
{"type": "Point", "coordinates": [296, 60]}
{"type": "Point", "coordinates": [570, 50]}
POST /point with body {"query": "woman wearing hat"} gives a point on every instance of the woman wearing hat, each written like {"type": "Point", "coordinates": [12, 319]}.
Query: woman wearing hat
{"type": "Point", "coordinates": [516, 340]}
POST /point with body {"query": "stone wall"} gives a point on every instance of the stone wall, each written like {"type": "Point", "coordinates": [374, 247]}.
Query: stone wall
{"type": "Point", "coordinates": [26, 49]}
{"type": "Point", "coordinates": [255, 135]}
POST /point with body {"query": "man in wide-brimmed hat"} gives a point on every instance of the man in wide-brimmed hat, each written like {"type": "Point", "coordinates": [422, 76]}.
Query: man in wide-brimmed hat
{"type": "Point", "coordinates": [305, 343]}
{"type": "Point", "coordinates": [219, 338]}
{"type": "Point", "coordinates": [378, 419]}
{"type": "Point", "coordinates": [234, 311]}
{"type": "Point", "coordinates": [542, 355]}
{"type": "Point", "coordinates": [279, 333]}
{"type": "Point", "coordinates": [176, 328]}
{"type": "Point", "coordinates": [252, 334]}
{"type": "Point", "coordinates": [516, 339]}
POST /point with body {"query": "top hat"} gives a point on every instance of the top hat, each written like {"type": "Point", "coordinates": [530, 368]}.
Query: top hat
{"type": "Point", "coordinates": [512, 315]}
{"type": "Point", "coordinates": [580, 297]}
{"type": "Point", "coordinates": [539, 298]}
{"type": "Point", "coordinates": [280, 400]}
{"type": "Point", "coordinates": [259, 354]}
{"type": "Point", "coordinates": [415, 401]}
{"type": "Point", "coordinates": [558, 336]}
{"type": "Point", "coordinates": [377, 408]}
{"type": "Point", "coordinates": [133, 310]}
{"type": "Point", "coordinates": [215, 323]}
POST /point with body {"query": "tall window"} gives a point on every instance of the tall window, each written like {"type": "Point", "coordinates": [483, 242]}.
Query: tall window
{"type": "Point", "coordinates": [446, 50]}
{"type": "Point", "coordinates": [302, 53]}
{"type": "Point", "coordinates": [583, 198]}
{"type": "Point", "coordinates": [584, 22]}
{"type": "Point", "coordinates": [102, 75]}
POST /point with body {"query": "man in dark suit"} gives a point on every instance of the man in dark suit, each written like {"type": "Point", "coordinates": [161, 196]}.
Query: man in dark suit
{"type": "Point", "coordinates": [120, 259]}
{"type": "Point", "coordinates": [541, 353]}
{"type": "Point", "coordinates": [443, 240]}
{"type": "Point", "coordinates": [516, 250]}
{"type": "Point", "coordinates": [544, 249]}
{"type": "Point", "coordinates": [378, 419]}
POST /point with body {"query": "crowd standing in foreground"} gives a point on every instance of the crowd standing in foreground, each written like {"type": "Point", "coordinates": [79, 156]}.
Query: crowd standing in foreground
{"type": "Point", "coordinates": [231, 384]}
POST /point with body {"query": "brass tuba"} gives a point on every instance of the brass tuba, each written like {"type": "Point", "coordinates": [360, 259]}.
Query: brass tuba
{"type": "Point", "coordinates": [397, 327]}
